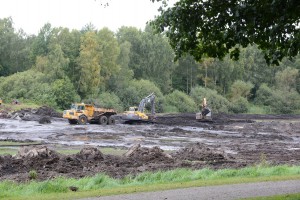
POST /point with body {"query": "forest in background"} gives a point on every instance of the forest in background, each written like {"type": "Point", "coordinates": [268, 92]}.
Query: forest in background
{"type": "Point", "coordinates": [59, 66]}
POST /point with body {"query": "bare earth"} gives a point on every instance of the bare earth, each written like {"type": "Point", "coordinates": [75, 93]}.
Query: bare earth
{"type": "Point", "coordinates": [174, 141]}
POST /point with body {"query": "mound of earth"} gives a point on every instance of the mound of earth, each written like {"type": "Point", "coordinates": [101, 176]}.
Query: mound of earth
{"type": "Point", "coordinates": [90, 161]}
{"type": "Point", "coordinates": [39, 152]}
{"type": "Point", "coordinates": [147, 154]}
{"type": "Point", "coordinates": [200, 152]}
{"type": "Point", "coordinates": [42, 115]}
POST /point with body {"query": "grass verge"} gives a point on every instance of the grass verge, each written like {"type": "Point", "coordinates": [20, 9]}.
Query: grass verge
{"type": "Point", "coordinates": [101, 185]}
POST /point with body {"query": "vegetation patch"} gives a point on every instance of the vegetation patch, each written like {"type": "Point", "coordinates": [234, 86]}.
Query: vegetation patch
{"type": "Point", "coordinates": [104, 185]}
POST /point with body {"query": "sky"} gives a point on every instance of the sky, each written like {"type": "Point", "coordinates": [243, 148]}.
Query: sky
{"type": "Point", "coordinates": [31, 15]}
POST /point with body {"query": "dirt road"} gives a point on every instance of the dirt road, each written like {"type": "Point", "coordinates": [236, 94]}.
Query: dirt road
{"type": "Point", "coordinates": [224, 192]}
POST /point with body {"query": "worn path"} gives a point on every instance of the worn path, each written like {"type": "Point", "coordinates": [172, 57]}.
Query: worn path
{"type": "Point", "coordinates": [223, 192]}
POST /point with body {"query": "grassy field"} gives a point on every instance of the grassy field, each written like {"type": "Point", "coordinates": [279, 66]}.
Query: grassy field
{"type": "Point", "coordinates": [104, 185]}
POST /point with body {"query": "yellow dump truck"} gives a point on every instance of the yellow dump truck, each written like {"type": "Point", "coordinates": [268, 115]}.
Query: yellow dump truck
{"type": "Point", "coordinates": [81, 113]}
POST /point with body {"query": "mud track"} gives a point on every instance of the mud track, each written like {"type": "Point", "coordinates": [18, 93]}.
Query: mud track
{"type": "Point", "coordinates": [174, 141]}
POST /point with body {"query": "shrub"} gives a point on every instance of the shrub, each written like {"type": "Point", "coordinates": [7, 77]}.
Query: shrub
{"type": "Point", "coordinates": [215, 101]}
{"type": "Point", "coordinates": [264, 95]}
{"type": "Point", "coordinates": [29, 85]}
{"type": "Point", "coordinates": [240, 89]}
{"type": "Point", "coordinates": [64, 93]}
{"type": "Point", "coordinates": [32, 175]}
{"type": "Point", "coordinates": [285, 102]}
{"type": "Point", "coordinates": [280, 101]}
{"type": "Point", "coordinates": [139, 89]}
{"type": "Point", "coordinates": [181, 101]}
{"type": "Point", "coordinates": [239, 105]}
{"type": "Point", "coordinates": [109, 100]}
{"type": "Point", "coordinates": [170, 109]}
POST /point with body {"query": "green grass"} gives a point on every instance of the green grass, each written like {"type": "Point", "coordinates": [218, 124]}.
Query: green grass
{"type": "Point", "coordinates": [104, 185]}
{"type": "Point", "coordinates": [254, 109]}
{"type": "Point", "coordinates": [278, 197]}
{"type": "Point", "coordinates": [8, 151]}
{"type": "Point", "coordinates": [20, 106]}
{"type": "Point", "coordinates": [14, 143]}
{"type": "Point", "coordinates": [105, 150]}
{"type": "Point", "coordinates": [13, 151]}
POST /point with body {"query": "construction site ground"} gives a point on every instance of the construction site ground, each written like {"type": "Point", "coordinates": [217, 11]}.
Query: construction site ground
{"type": "Point", "coordinates": [173, 141]}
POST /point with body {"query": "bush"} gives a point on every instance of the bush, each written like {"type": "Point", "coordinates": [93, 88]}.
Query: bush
{"type": "Point", "coordinates": [280, 101]}
{"type": "Point", "coordinates": [32, 175]}
{"type": "Point", "coordinates": [264, 95]}
{"type": "Point", "coordinates": [215, 101]}
{"type": "Point", "coordinates": [64, 93]}
{"type": "Point", "coordinates": [29, 85]}
{"type": "Point", "coordinates": [285, 102]}
{"type": "Point", "coordinates": [239, 105]}
{"type": "Point", "coordinates": [139, 89]}
{"type": "Point", "coordinates": [170, 109]}
{"type": "Point", "coordinates": [109, 100]}
{"type": "Point", "coordinates": [181, 101]}
{"type": "Point", "coordinates": [240, 89]}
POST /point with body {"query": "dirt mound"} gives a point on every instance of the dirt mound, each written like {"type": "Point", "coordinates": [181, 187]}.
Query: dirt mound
{"type": "Point", "coordinates": [46, 111]}
{"type": "Point", "coordinates": [200, 152]}
{"type": "Point", "coordinates": [30, 152]}
{"type": "Point", "coordinates": [90, 153]}
{"type": "Point", "coordinates": [45, 120]}
{"type": "Point", "coordinates": [147, 154]}
{"type": "Point", "coordinates": [42, 114]}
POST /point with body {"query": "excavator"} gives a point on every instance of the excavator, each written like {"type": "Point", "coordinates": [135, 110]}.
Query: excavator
{"type": "Point", "coordinates": [137, 114]}
{"type": "Point", "coordinates": [205, 114]}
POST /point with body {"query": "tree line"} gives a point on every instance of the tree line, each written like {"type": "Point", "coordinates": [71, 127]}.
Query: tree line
{"type": "Point", "coordinates": [59, 66]}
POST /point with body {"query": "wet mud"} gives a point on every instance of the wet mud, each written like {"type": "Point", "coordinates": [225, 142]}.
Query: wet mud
{"type": "Point", "coordinates": [173, 141]}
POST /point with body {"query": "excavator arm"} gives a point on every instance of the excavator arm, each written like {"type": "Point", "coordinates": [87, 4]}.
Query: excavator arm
{"type": "Point", "coordinates": [139, 114]}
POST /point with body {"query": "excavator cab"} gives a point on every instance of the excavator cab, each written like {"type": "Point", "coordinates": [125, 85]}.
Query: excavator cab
{"type": "Point", "coordinates": [137, 114]}
{"type": "Point", "coordinates": [205, 114]}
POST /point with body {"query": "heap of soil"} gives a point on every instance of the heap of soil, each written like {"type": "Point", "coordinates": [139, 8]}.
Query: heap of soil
{"type": "Point", "coordinates": [43, 114]}
{"type": "Point", "coordinates": [47, 111]}
{"type": "Point", "coordinates": [90, 161]}
{"type": "Point", "coordinates": [200, 152]}
{"type": "Point", "coordinates": [144, 154]}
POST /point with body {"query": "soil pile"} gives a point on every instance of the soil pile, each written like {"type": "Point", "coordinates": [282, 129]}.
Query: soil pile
{"type": "Point", "coordinates": [90, 161]}
{"type": "Point", "coordinates": [47, 111]}
{"type": "Point", "coordinates": [144, 154]}
{"type": "Point", "coordinates": [200, 152]}
{"type": "Point", "coordinates": [42, 115]}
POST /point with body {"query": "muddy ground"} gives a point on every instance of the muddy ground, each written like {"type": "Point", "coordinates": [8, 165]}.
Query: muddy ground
{"type": "Point", "coordinates": [174, 141]}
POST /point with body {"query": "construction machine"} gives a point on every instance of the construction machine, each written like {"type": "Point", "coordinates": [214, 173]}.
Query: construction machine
{"type": "Point", "coordinates": [81, 113]}
{"type": "Point", "coordinates": [205, 114]}
{"type": "Point", "coordinates": [137, 114]}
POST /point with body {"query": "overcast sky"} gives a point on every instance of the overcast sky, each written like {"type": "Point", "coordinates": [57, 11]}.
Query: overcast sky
{"type": "Point", "coordinates": [31, 15]}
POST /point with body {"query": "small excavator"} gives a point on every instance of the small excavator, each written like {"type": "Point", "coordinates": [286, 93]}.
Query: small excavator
{"type": "Point", "coordinates": [137, 114]}
{"type": "Point", "coordinates": [205, 114]}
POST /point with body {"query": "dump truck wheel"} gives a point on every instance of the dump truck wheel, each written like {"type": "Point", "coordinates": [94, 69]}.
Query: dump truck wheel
{"type": "Point", "coordinates": [82, 120]}
{"type": "Point", "coordinates": [72, 121]}
{"type": "Point", "coordinates": [111, 120]}
{"type": "Point", "coordinates": [103, 120]}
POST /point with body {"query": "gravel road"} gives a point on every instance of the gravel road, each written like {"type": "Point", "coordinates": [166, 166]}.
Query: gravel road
{"type": "Point", "coordinates": [223, 192]}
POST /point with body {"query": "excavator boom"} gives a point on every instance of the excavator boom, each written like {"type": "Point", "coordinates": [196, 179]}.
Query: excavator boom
{"type": "Point", "coordinates": [139, 115]}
